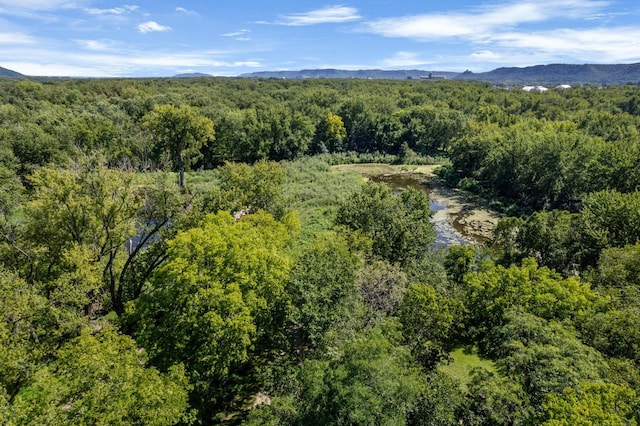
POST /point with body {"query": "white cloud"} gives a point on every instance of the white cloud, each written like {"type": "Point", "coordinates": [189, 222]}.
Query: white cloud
{"type": "Point", "coordinates": [16, 38]}
{"type": "Point", "coordinates": [483, 21]}
{"type": "Point", "coordinates": [621, 44]}
{"type": "Point", "coordinates": [236, 33]}
{"type": "Point", "coordinates": [240, 35]}
{"type": "Point", "coordinates": [486, 55]}
{"type": "Point", "coordinates": [40, 4]}
{"type": "Point", "coordinates": [403, 59]}
{"type": "Point", "coordinates": [152, 26]}
{"type": "Point", "coordinates": [98, 45]}
{"type": "Point", "coordinates": [122, 61]}
{"type": "Point", "coordinates": [327, 15]}
{"type": "Point", "coordinates": [113, 11]}
{"type": "Point", "coordinates": [185, 11]}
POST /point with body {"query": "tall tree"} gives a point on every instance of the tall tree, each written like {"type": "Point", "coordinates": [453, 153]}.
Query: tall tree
{"type": "Point", "coordinates": [90, 218]}
{"type": "Point", "coordinates": [180, 132]}
{"type": "Point", "coordinates": [102, 378]}
{"type": "Point", "coordinates": [399, 227]}
{"type": "Point", "coordinates": [221, 289]}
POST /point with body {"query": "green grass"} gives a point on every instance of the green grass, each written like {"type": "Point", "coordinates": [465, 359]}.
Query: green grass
{"type": "Point", "coordinates": [464, 360]}
{"type": "Point", "coordinates": [315, 190]}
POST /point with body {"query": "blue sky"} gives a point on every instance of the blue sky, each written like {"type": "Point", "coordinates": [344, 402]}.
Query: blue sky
{"type": "Point", "coordinates": [230, 37]}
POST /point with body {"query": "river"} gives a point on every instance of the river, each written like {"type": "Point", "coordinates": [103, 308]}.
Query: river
{"type": "Point", "coordinates": [457, 218]}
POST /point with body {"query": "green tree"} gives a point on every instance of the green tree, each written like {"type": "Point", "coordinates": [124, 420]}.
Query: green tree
{"type": "Point", "coordinates": [608, 219]}
{"type": "Point", "coordinates": [331, 134]}
{"type": "Point", "coordinates": [545, 357]}
{"type": "Point", "coordinates": [9, 183]}
{"type": "Point", "coordinates": [180, 132]}
{"type": "Point", "coordinates": [593, 403]}
{"type": "Point", "coordinates": [429, 321]}
{"type": "Point", "coordinates": [368, 381]}
{"type": "Point", "coordinates": [246, 189]}
{"type": "Point", "coordinates": [399, 226]}
{"type": "Point", "coordinates": [221, 290]}
{"type": "Point", "coordinates": [102, 378]}
{"type": "Point", "coordinates": [86, 219]}
{"type": "Point", "coordinates": [30, 330]}
{"type": "Point", "coordinates": [442, 402]}
{"type": "Point", "coordinates": [496, 400]}
{"type": "Point", "coordinates": [323, 288]}
{"type": "Point", "coordinates": [285, 134]}
{"type": "Point", "coordinates": [430, 128]}
{"type": "Point", "coordinates": [546, 236]}
{"type": "Point", "coordinates": [494, 290]}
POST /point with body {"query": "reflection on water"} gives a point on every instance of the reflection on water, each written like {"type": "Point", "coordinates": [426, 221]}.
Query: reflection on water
{"type": "Point", "coordinates": [446, 234]}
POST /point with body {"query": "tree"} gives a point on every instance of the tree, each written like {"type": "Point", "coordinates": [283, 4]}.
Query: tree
{"type": "Point", "coordinates": [180, 133]}
{"type": "Point", "coordinates": [545, 236]}
{"type": "Point", "coordinates": [93, 219]}
{"type": "Point", "coordinates": [428, 322]}
{"type": "Point", "coordinates": [368, 381]}
{"type": "Point", "coordinates": [593, 403]}
{"type": "Point", "coordinates": [545, 357]}
{"type": "Point", "coordinates": [220, 291]}
{"type": "Point", "coordinates": [382, 286]}
{"type": "Point", "coordinates": [9, 183]}
{"type": "Point", "coordinates": [398, 226]}
{"type": "Point", "coordinates": [285, 134]}
{"type": "Point", "coordinates": [331, 133]}
{"type": "Point", "coordinates": [102, 378]}
{"type": "Point", "coordinates": [494, 290]}
{"type": "Point", "coordinates": [322, 288]}
{"type": "Point", "coordinates": [608, 219]}
{"type": "Point", "coordinates": [496, 400]}
{"type": "Point", "coordinates": [429, 128]}
{"type": "Point", "coordinates": [247, 189]}
{"type": "Point", "coordinates": [442, 402]}
{"type": "Point", "coordinates": [30, 330]}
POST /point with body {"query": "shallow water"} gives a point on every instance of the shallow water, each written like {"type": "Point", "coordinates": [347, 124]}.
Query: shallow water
{"type": "Point", "coordinates": [446, 234]}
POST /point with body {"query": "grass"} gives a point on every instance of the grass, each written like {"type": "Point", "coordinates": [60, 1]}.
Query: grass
{"type": "Point", "coordinates": [315, 190]}
{"type": "Point", "coordinates": [465, 359]}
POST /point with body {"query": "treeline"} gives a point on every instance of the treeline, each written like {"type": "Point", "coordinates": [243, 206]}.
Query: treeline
{"type": "Point", "coordinates": [285, 293]}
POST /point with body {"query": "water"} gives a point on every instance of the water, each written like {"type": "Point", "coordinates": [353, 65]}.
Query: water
{"type": "Point", "coordinates": [446, 234]}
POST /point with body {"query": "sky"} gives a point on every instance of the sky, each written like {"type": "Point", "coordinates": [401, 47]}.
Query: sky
{"type": "Point", "coordinates": [147, 38]}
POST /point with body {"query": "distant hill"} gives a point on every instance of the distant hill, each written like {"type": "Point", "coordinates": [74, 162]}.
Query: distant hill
{"type": "Point", "coordinates": [192, 75]}
{"type": "Point", "coordinates": [539, 74]}
{"type": "Point", "coordinates": [561, 73]}
{"type": "Point", "coordinates": [8, 73]}
{"type": "Point", "coordinates": [365, 74]}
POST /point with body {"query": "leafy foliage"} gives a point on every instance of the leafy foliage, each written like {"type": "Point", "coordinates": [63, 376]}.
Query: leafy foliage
{"type": "Point", "coordinates": [398, 226]}
{"type": "Point", "coordinates": [102, 379]}
{"type": "Point", "coordinates": [221, 289]}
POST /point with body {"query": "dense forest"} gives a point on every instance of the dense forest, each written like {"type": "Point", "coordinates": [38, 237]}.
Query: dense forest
{"type": "Point", "coordinates": [181, 251]}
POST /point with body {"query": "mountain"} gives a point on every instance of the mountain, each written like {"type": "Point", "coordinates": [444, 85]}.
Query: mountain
{"type": "Point", "coordinates": [561, 73]}
{"type": "Point", "coordinates": [536, 75]}
{"type": "Point", "coordinates": [364, 74]}
{"type": "Point", "coordinates": [192, 75]}
{"type": "Point", "coordinates": [8, 73]}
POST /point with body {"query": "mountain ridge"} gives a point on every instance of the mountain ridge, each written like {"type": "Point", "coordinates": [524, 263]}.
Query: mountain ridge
{"type": "Point", "coordinates": [615, 74]}
{"type": "Point", "coordinates": [560, 73]}
{"type": "Point", "coordinates": [362, 74]}
{"type": "Point", "coordinates": [573, 74]}
{"type": "Point", "coordinates": [4, 72]}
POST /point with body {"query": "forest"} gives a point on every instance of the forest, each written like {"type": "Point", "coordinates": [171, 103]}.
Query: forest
{"type": "Point", "coordinates": [183, 251]}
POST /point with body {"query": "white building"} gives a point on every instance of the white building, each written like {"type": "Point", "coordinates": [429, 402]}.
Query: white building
{"type": "Point", "coordinates": [535, 89]}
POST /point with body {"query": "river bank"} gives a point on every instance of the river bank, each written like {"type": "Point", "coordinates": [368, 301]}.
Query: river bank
{"type": "Point", "coordinates": [454, 211]}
